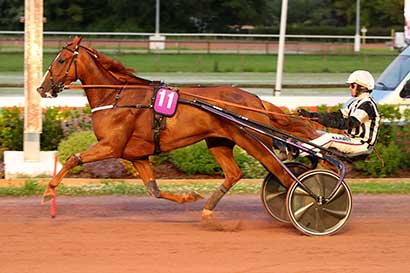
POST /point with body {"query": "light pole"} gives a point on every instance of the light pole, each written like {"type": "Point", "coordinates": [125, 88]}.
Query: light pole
{"type": "Point", "coordinates": [281, 48]}
{"type": "Point", "coordinates": [357, 35]}
{"type": "Point", "coordinates": [157, 42]}
{"type": "Point", "coordinates": [157, 19]}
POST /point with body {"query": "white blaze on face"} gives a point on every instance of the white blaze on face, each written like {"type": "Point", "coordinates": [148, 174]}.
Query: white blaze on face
{"type": "Point", "coordinates": [48, 93]}
{"type": "Point", "coordinates": [48, 70]}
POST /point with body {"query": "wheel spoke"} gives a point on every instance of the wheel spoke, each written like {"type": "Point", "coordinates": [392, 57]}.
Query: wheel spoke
{"type": "Point", "coordinates": [339, 192]}
{"type": "Point", "coordinates": [340, 214]}
{"type": "Point", "coordinates": [272, 196]}
{"type": "Point", "coordinates": [301, 192]}
{"type": "Point", "coordinates": [318, 221]}
{"type": "Point", "coordinates": [323, 183]}
{"type": "Point", "coordinates": [312, 216]}
{"type": "Point", "coordinates": [301, 211]}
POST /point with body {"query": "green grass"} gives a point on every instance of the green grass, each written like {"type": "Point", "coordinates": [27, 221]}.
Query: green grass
{"type": "Point", "coordinates": [113, 187]}
{"type": "Point", "coordinates": [14, 62]}
{"type": "Point", "coordinates": [377, 188]}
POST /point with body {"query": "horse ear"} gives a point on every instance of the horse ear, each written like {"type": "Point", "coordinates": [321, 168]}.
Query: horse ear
{"type": "Point", "coordinates": [77, 40]}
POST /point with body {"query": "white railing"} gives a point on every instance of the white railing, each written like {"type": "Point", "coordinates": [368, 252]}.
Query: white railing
{"type": "Point", "coordinates": [141, 42]}
{"type": "Point", "coordinates": [227, 35]}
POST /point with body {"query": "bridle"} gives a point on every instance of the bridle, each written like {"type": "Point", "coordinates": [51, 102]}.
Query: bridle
{"type": "Point", "coordinates": [58, 87]}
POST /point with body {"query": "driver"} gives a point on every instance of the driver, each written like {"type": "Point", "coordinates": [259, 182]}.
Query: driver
{"type": "Point", "coordinates": [359, 118]}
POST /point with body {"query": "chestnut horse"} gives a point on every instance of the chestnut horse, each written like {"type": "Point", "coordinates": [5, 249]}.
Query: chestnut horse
{"type": "Point", "coordinates": [122, 121]}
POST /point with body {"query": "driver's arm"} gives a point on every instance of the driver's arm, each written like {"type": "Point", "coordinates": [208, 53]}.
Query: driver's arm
{"type": "Point", "coordinates": [336, 120]}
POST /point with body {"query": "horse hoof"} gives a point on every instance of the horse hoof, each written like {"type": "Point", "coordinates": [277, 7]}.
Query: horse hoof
{"type": "Point", "coordinates": [195, 196]}
{"type": "Point", "coordinates": [46, 199]}
{"type": "Point", "coordinates": [211, 223]}
{"type": "Point", "coordinates": [48, 195]}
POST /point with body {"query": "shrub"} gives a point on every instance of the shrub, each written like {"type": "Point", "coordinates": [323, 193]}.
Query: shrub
{"type": "Point", "coordinates": [196, 159]}
{"type": "Point", "coordinates": [58, 123]}
{"type": "Point", "coordinates": [372, 166]}
{"type": "Point", "coordinates": [393, 144]}
{"type": "Point", "coordinates": [250, 167]}
{"type": "Point", "coordinates": [11, 129]}
{"type": "Point", "coordinates": [75, 143]}
{"type": "Point", "coordinates": [129, 167]}
{"type": "Point", "coordinates": [52, 130]}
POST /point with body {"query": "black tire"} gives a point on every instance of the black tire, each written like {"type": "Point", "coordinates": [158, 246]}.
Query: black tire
{"type": "Point", "coordinates": [310, 215]}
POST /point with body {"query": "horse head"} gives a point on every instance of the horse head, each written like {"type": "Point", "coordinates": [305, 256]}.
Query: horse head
{"type": "Point", "coordinates": [62, 71]}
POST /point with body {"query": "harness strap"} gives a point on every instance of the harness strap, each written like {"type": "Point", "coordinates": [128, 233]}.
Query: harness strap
{"type": "Point", "coordinates": [105, 107]}
{"type": "Point", "coordinates": [158, 124]}
{"type": "Point", "coordinates": [102, 108]}
{"type": "Point", "coordinates": [379, 156]}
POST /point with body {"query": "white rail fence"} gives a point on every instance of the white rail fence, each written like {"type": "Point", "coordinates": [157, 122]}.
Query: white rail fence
{"type": "Point", "coordinates": [133, 42]}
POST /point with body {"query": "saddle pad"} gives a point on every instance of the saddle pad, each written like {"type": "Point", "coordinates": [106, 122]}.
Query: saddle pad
{"type": "Point", "coordinates": [166, 101]}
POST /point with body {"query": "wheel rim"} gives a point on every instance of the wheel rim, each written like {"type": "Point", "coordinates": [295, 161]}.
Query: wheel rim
{"type": "Point", "coordinates": [308, 214]}
{"type": "Point", "coordinates": [274, 193]}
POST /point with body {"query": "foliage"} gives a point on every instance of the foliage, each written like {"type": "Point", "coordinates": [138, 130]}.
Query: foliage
{"type": "Point", "coordinates": [373, 166]}
{"type": "Point", "coordinates": [75, 143]}
{"type": "Point", "coordinates": [53, 132]}
{"type": "Point", "coordinates": [58, 123]}
{"type": "Point", "coordinates": [65, 128]}
{"type": "Point", "coordinates": [129, 167]}
{"type": "Point", "coordinates": [250, 167]}
{"type": "Point", "coordinates": [393, 143]}
{"type": "Point", "coordinates": [11, 129]}
{"type": "Point", "coordinates": [202, 16]}
{"type": "Point", "coordinates": [196, 159]}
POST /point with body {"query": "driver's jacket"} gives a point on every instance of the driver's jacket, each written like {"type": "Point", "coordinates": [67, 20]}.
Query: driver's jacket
{"type": "Point", "coordinates": [359, 117]}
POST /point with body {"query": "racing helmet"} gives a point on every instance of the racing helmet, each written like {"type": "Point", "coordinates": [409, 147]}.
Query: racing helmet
{"type": "Point", "coordinates": [363, 78]}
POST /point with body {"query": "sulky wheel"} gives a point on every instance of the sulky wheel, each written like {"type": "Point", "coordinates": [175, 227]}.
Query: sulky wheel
{"type": "Point", "coordinates": [273, 193]}
{"type": "Point", "coordinates": [325, 214]}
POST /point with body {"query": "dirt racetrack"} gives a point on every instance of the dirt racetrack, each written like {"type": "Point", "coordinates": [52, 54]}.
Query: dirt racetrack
{"type": "Point", "coordinates": [142, 234]}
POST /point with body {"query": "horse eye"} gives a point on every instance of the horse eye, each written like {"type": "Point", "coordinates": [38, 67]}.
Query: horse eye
{"type": "Point", "coordinates": [61, 61]}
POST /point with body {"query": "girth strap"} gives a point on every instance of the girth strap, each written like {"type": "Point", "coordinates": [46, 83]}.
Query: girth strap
{"type": "Point", "coordinates": [158, 124]}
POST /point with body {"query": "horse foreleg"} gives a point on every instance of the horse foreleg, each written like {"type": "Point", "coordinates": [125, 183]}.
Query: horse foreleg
{"type": "Point", "coordinates": [50, 192]}
{"type": "Point", "coordinates": [101, 150]}
{"type": "Point", "coordinates": [146, 172]}
{"type": "Point", "coordinates": [223, 154]}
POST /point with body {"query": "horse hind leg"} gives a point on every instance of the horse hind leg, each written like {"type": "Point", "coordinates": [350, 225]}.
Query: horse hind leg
{"type": "Point", "coordinates": [146, 172]}
{"type": "Point", "coordinates": [222, 151]}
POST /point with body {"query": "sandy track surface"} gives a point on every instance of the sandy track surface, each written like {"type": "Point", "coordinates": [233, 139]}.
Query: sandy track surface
{"type": "Point", "coordinates": [142, 234]}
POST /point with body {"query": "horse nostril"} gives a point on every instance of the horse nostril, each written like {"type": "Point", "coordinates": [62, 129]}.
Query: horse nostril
{"type": "Point", "coordinates": [40, 89]}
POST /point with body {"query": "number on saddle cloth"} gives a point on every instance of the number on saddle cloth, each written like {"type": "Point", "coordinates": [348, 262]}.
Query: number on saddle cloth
{"type": "Point", "coordinates": [166, 101]}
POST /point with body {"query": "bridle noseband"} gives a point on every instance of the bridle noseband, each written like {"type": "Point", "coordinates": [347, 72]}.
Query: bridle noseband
{"type": "Point", "coordinates": [58, 87]}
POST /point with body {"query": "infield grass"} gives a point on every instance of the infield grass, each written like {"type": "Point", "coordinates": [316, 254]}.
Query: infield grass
{"type": "Point", "coordinates": [119, 187]}
{"type": "Point", "coordinates": [296, 63]}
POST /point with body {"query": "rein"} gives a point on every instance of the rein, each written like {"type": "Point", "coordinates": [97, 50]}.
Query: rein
{"type": "Point", "coordinates": [79, 86]}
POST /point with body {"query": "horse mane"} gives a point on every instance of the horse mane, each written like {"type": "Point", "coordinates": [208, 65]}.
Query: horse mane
{"type": "Point", "coordinates": [117, 69]}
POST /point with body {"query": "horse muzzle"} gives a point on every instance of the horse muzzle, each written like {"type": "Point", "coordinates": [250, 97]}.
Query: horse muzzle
{"type": "Point", "coordinates": [46, 94]}
{"type": "Point", "coordinates": [41, 91]}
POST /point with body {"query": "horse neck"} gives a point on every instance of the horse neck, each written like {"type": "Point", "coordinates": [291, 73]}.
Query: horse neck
{"type": "Point", "coordinates": [93, 74]}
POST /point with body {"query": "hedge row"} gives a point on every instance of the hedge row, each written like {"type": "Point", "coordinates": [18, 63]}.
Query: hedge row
{"type": "Point", "coordinates": [58, 123]}
{"type": "Point", "coordinates": [63, 124]}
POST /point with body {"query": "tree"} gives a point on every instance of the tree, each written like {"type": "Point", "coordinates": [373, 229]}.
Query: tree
{"type": "Point", "coordinates": [10, 13]}
{"type": "Point", "coordinates": [202, 15]}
